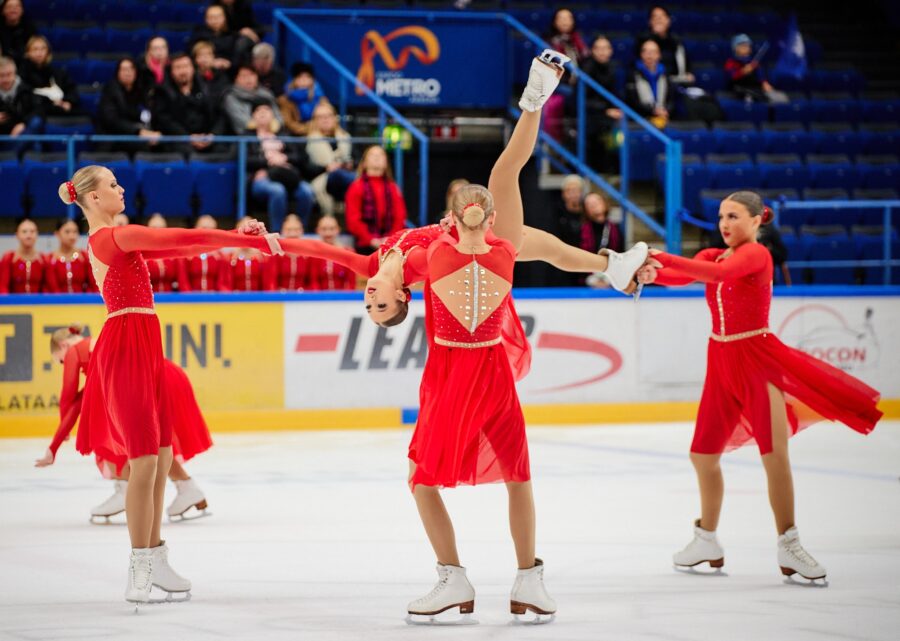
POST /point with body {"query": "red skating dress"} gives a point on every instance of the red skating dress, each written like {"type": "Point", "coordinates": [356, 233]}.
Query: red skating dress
{"type": "Point", "coordinates": [69, 274]}
{"type": "Point", "coordinates": [470, 428]}
{"type": "Point", "coordinates": [20, 276]}
{"type": "Point", "coordinates": [204, 273]}
{"type": "Point", "coordinates": [327, 275]}
{"type": "Point", "coordinates": [166, 274]}
{"type": "Point", "coordinates": [744, 355]}
{"type": "Point", "coordinates": [190, 433]}
{"type": "Point", "coordinates": [286, 273]}
{"type": "Point", "coordinates": [244, 273]}
{"type": "Point", "coordinates": [124, 415]}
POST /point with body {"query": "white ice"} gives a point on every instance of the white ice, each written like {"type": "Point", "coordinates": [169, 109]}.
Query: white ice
{"type": "Point", "coordinates": [314, 536]}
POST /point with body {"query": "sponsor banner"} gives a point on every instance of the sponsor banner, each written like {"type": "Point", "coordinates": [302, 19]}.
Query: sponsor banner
{"type": "Point", "coordinates": [585, 350]}
{"type": "Point", "coordinates": [410, 61]}
{"type": "Point", "coordinates": [232, 353]}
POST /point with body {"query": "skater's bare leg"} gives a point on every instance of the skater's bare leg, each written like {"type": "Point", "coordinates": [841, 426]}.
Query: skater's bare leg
{"type": "Point", "coordinates": [436, 520]}
{"type": "Point", "coordinates": [778, 465]}
{"type": "Point", "coordinates": [159, 490]}
{"type": "Point", "coordinates": [139, 501]}
{"type": "Point", "coordinates": [539, 245]}
{"type": "Point", "coordinates": [522, 522]}
{"type": "Point", "coordinates": [712, 488]}
{"type": "Point", "coordinates": [504, 181]}
{"type": "Point", "coordinates": [177, 471]}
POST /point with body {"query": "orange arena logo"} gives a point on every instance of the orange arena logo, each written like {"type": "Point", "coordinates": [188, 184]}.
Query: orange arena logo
{"type": "Point", "coordinates": [392, 83]}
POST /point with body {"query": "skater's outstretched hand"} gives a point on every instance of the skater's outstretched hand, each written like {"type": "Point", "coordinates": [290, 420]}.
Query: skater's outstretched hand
{"type": "Point", "coordinates": [251, 227]}
{"type": "Point", "coordinates": [446, 222]}
{"type": "Point", "coordinates": [46, 460]}
{"type": "Point", "coordinates": [647, 274]}
{"type": "Point", "coordinates": [652, 262]}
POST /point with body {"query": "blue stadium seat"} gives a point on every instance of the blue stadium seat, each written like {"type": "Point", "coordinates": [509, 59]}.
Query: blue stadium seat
{"type": "Point", "coordinates": [167, 189]}
{"type": "Point", "coordinates": [714, 51]}
{"type": "Point", "coordinates": [100, 71]}
{"type": "Point", "coordinates": [90, 98]}
{"type": "Point", "coordinates": [835, 138]}
{"type": "Point", "coordinates": [787, 138]}
{"type": "Point", "coordinates": [844, 79]}
{"type": "Point", "coordinates": [694, 176]}
{"type": "Point", "coordinates": [872, 248]}
{"type": "Point", "coordinates": [134, 41]}
{"type": "Point", "coordinates": [81, 40]}
{"type": "Point", "coordinates": [832, 248]}
{"type": "Point", "coordinates": [78, 70]}
{"type": "Point", "coordinates": [737, 110]}
{"type": "Point", "coordinates": [623, 50]}
{"type": "Point", "coordinates": [214, 184]}
{"type": "Point", "coordinates": [642, 147]}
{"type": "Point", "coordinates": [797, 110]}
{"type": "Point", "coordinates": [777, 171]}
{"type": "Point", "coordinates": [796, 249]}
{"type": "Point", "coordinates": [622, 20]}
{"type": "Point", "coordinates": [879, 172]}
{"type": "Point", "coordinates": [43, 172]}
{"type": "Point", "coordinates": [711, 79]}
{"type": "Point", "coordinates": [837, 107]}
{"type": "Point", "coordinates": [832, 171]}
{"type": "Point", "coordinates": [710, 199]}
{"type": "Point", "coordinates": [12, 177]}
{"type": "Point", "coordinates": [732, 171]}
{"type": "Point", "coordinates": [733, 137]}
{"type": "Point", "coordinates": [880, 109]}
{"type": "Point", "coordinates": [694, 136]}
{"type": "Point", "coordinates": [879, 138]}
{"type": "Point", "coordinates": [788, 82]}
{"type": "Point", "coordinates": [67, 126]}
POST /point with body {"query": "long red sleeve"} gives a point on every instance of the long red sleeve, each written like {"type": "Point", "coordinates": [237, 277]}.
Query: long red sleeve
{"type": "Point", "coordinates": [5, 276]}
{"type": "Point", "coordinates": [51, 282]}
{"type": "Point", "coordinates": [69, 398]}
{"type": "Point", "coordinates": [319, 249]}
{"type": "Point", "coordinates": [746, 259]}
{"type": "Point", "coordinates": [172, 243]}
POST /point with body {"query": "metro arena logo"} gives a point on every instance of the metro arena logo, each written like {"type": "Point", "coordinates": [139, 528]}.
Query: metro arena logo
{"type": "Point", "coordinates": [389, 350]}
{"type": "Point", "coordinates": [393, 83]}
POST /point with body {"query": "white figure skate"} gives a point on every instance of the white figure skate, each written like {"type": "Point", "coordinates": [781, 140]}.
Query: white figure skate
{"type": "Point", "coordinates": [543, 79]}
{"type": "Point", "coordinates": [140, 573]}
{"type": "Point", "coordinates": [451, 591]}
{"type": "Point", "coordinates": [177, 588]}
{"type": "Point", "coordinates": [704, 548]}
{"type": "Point", "coordinates": [111, 506]}
{"type": "Point", "coordinates": [529, 594]}
{"type": "Point", "coordinates": [189, 496]}
{"type": "Point", "coordinates": [793, 559]}
{"type": "Point", "coordinates": [621, 269]}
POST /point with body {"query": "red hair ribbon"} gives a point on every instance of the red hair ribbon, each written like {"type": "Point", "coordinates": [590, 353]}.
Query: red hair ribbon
{"type": "Point", "coordinates": [408, 295]}
{"type": "Point", "coordinates": [73, 195]}
{"type": "Point", "coordinates": [767, 216]}
{"type": "Point", "coordinates": [463, 210]}
{"type": "Point", "coordinates": [74, 329]}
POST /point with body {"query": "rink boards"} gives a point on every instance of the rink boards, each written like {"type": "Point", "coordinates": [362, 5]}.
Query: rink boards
{"type": "Point", "coordinates": [297, 361]}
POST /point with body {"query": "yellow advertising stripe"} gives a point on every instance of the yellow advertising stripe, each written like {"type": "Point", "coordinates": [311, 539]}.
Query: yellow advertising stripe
{"type": "Point", "coordinates": [390, 418]}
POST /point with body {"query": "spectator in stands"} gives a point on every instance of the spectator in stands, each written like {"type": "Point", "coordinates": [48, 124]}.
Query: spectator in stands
{"type": "Point", "coordinates": [274, 167]}
{"type": "Point", "coordinates": [330, 161]}
{"type": "Point", "coordinates": [212, 78]}
{"type": "Point", "coordinates": [56, 91]}
{"type": "Point", "coordinates": [374, 205]}
{"type": "Point", "coordinates": [563, 36]}
{"type": "Point", "coordinates": [648, 91]}
{"type": "Point", "coordinates": [123, 109]}
{"type": "Point", "coordinates": [120, 220]}
{"type": "Point", "coordinates": [672, 53]}
{"type": "Point", "coordinates": [16, 29]}
{"type": "Point", "coordinates": [270, 75]}
{"type": "Point", "coordinates": [287, 273]}
{"type": "Point", "coordinates": [23, 270]}
{"type": "Point", "coordinates": [602, 116]}
{"type": "Point", "coordinates": [322, 274]}
{"type": "Point", "coordinates": [455, 185]}
{"type": "Point", "coordinates": [746, 77]}
{"type": "Point", "coordinates": [204, 272]}
{"type": "Point", "coordinates": [570, 209]}
{"type": "Point", "coordinates": [239, 14]}
{"type": "Point", "coordinates": [153, 66]}
{"type": "Point", "coordinates": [20, 111]}
{"type": "Point", "coordinates": [183, 107]}
{"type": "Point", "coordinates": [302, 96]}
{"type": "Point", "coordinates": [597, 231]}
{"type": "Point", "coordinates": [244, 97]}
{"type": "Point", "coordinates": [68, 268]}
{"type": "Point", "coordinates": [232, 49]}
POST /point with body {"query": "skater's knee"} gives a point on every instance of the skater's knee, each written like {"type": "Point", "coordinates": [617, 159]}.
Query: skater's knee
{"type": "Point", "coordinates": [705, 463]}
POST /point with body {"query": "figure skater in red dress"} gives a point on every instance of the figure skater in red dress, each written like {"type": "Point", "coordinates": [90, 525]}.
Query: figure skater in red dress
{"type": "Point", "coordinates": [190, 435]}
{"type": "Point", "coordinates": [123, 417]}
{"type": "Point", "coordinates": [756, 387]}
{"type": "Point", "coordinates": [68, 268]}
{"type": "Point", "coordinates": [205, 272]}
{"type": "Point", "coordinates": [23, 270]}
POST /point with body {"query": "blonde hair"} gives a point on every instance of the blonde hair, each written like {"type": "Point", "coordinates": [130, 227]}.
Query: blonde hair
{"type": "Point", "coordinates": [85, 180]}
{"type": "Point", "coordinates": [454, 185]}
{"type": "Point", "coordinates": [63, 334]}
{"type": "Point", "coordinates": [472, 205]}
{"type": "Point", "coordinates": [39, 38]}
{"type": "Point", "coordinates": [202, 45]}
{"type": "Point", "coordinates": [388, 172]}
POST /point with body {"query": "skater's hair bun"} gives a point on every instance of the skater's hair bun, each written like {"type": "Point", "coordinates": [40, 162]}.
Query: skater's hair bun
{"type": "Point", "coordinates": [754, 204]}
{"type": "Point", "coordinates": [472, 204]}
{"type": "Point", "coordinates": [85, 180]}
{"type": "Point", "coordinates": [63, 334]}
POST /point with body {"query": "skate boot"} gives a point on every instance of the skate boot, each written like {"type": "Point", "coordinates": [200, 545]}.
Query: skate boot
{"type": "Point", "coordinates": [529, 593]}
{"type": "Point", "coordinates": [704, 548]}
{"type": "Point", "coordinates": [793, 559]}
{"type": "Point", "coordinates": [111, 506]}
{"type": "Point", "coordinates": [140, 572]}
{"type": "Point", "coordinates": [543, 78]}
{"type": "Point", "coordinates": [622, 267]}
{"type": "Point", "coordinates": [189, 495]}
{"type": "Point", "coordinates": [452, 590]}
{"type": "Point", "coordinates": [166, 579]}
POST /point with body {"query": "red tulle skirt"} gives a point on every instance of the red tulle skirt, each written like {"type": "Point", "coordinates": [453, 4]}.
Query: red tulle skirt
{"type": "Point", "coordinates": [734, 408]}
{"type": "Point", "coordinates": [122, 415]}
{"type": "Point", "coordinates": [470, 429]}
{"type": "Point", "coordinates": [190, 435]}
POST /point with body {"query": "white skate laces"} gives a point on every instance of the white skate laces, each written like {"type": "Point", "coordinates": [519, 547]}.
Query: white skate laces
{"type": "Point", "coordinates": [543, 78]}
{"type": "Point", "coordinates": [140, 573]}
{"type": "Point", "coordinates": [621, 268]}
{"type": "Point", "coordinates": [794, 559]}
{"type": "Point", "coordinates": [530, 594]}
{"type": "Point", "coordinates": [452, 590]}
{"type": "Point", "coordinates": [703, 548]}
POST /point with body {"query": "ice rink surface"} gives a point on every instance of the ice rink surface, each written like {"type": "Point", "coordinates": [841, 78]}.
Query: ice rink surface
{"type": "Point", "coordinates": [314, 536]}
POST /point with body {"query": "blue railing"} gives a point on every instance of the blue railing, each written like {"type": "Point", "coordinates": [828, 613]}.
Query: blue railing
{"type": "Point", "coordinates": [72, 162]}
{"type": "Point", "coordinates": [672, 230]}
{"type": "Point", "coordinates": [282, 17]}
